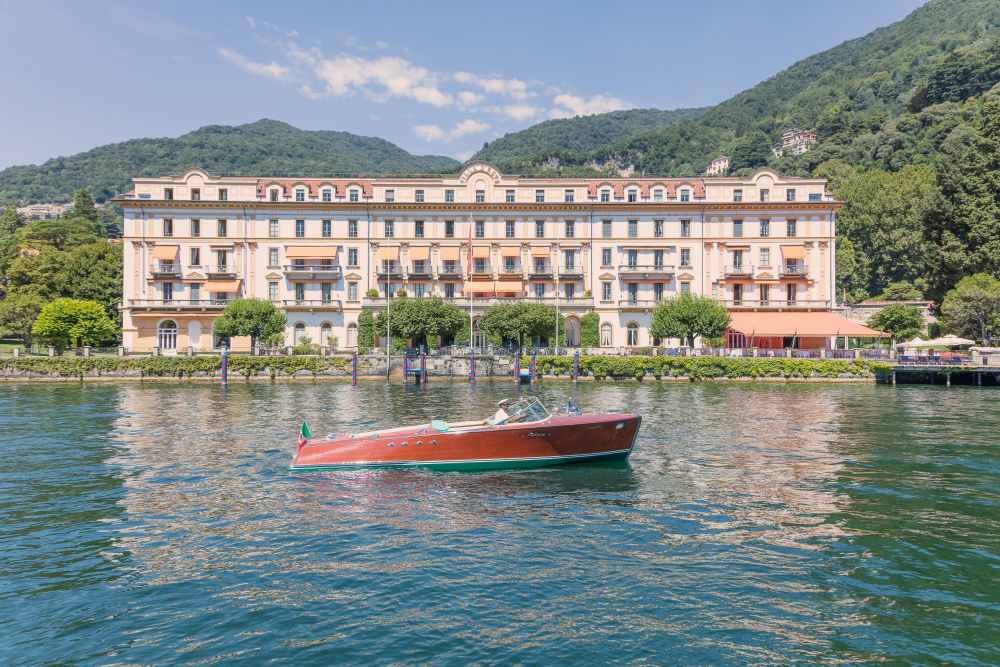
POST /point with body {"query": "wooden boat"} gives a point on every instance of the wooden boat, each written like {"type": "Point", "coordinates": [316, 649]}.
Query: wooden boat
{"type": "Point", "coordinates": [522, 435]}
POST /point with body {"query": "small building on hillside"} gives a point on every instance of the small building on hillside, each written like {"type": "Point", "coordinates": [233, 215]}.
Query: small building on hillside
{"type": "Point", "coordinates": [43, 211]}
{"type": "Point", "coordinates": [794, 142]}
{"type": "Point", "coordinates": [718, 166]}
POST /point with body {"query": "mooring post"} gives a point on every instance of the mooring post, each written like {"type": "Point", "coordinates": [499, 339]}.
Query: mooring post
{"type": "Point", "coordinates": [354, 368]}
{"type": "Point", "coordinates": [517, 367]}
{"type": "Point", "coordinates": [406, 370]}
{"type": "Point", "coordinates": [894, 377]}
{"type": "Point", "coordinates": [225, 367]}
{"type": "Point", "coordinates": [979, 379]}
{"type": "Point", "coordinates": [947, 379]}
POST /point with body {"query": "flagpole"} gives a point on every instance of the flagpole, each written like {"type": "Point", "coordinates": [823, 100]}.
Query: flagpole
{"type": "Point", "coordinates": [468, 270]}
{"type": "Point", "coordinates": [557, 302]}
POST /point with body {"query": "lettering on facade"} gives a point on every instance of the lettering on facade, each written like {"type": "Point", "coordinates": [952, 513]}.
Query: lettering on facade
{"type": "Point", "coordinates": [479, 168]}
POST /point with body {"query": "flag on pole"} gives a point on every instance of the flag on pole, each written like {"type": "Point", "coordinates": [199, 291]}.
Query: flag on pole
{"type": "Point", "coordinates": [304, 435]}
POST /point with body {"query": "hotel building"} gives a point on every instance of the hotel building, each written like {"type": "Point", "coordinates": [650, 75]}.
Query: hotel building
{"type": "Point", "coordinates": [324, 249]}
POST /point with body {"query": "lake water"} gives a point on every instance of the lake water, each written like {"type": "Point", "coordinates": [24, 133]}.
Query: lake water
{"type": "Point", "coordinates": [754, 523]}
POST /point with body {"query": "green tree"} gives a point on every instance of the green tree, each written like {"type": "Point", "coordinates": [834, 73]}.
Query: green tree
{"type": "Point", "coordinates": [66, 322]}
{"type": "Point", "coordinates": [18, 312]}
{"type": "Point", "coordinates": [687, 316]}
{"type": "Point", "coordinates": [520, 321]}
{"type": "Point", "coordinates": [366, 332]}
{"type": "Point", "coordinates": [901, 321]}
{"type": "Point", "coordinates": [590, 335]}
{"type": "Point", "coordinates": [10, 222]}
{"type": "Point", "coordinates": [256, 318]}
{"type": "Point", "coordinates": [83, 205]}
{"type": "Point", "coordinates": [902, 291]}
{"type": "Point", "coordinates": [94, 272]}
{"type": "Point", "coordinates": [972, 308]}
{"type": "Point", "coordinates": [421, 320]}
{"type": "Point", "coordinates": [751, 151]}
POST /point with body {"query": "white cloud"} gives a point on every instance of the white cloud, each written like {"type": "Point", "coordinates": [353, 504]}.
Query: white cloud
{"type": "Point", "coordinates": [463, 155]}
{"type": "Point", "coordinates": [272, 70]}
{"type": "Point", "coordinates": [383, 78]}
{"type": "Point", "coordinates": [250, 21]}
{"type": "Point", "coordinates": [571, 105]}
{"type": "Point", "coordinates": [467, 98]}
{"type": "Point", "coordinates": [436, 133]}
{"type": "Point", "coordinates": [520, 111]}
{"type": "Point", "coordinates": [510, 87]}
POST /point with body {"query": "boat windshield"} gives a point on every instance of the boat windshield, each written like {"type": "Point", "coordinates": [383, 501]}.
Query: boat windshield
{"type": "Point", "coordinates": [526, 410]}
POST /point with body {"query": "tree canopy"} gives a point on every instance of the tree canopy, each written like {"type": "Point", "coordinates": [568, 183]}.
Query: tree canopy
{"type": "Point", "coordinates": [68, 322]}
{"type": "Point", "coordinates": [901, 321]}
{"type": "Point", "coordinates": [687, 316]}
{"type": "Point", "coordinates": [520, 321]}
{"type": "Point", "coordinates": [972, 308]}
{"type": "Point", "coordinates": [421, 319]}
{"type": "Point", "coordinates": [256, 318]}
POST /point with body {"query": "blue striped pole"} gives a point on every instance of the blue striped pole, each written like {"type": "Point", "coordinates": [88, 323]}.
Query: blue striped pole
{"type": "Point", "coordinates": [354, 368]}
{"type": "Point", "coordinates": [472, 367]}
{"type": "Point", "coordinates": [406, 370]}
{"type": "Point", "coordinates": [423, 368]}
{"type": "Point", "coordinates": [225, 368]}
{"type": "Point", "coordinates": [531, 368]}
{"type": "Point", "coordinates": [576, 366]}
{"type": "Point", "coordinates": [517, 367]}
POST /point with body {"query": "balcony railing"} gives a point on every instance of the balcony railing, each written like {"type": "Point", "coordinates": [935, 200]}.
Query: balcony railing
{"type": "Point", "coordinates": [575, 270]}
{"type": "Point", "coordinates": [513, 270]}
{"type": "Point", "coordinates": [389, 270]}
{"type": "Point", "coordinates": [792, 269]}
{"type": "Point", "coordinates": [638, 304]}
{"type": "Point", "coordinates": [646, 270]}
{"type": "Point", "coordinates": [166, 269]}
{"type": "Point", "coordinates": [221, 271]}
{"type": "Point", "coordinates": [540, 269]}
{"type": "Point", "coordinates": [311, 304]}
{"type": "Point", "coordinates": [175, 304]}
{"type": "Point", "coordinates": [482, 269]}
{"type": "Point", "coordinates": [423, 269]}
{"type": "Point", "coordinates": [777, 304]}
{"type": "Point", "coordinates": [564, 302]}
{"type": "Point", "coordinates": [313, 270]}
{"type": "Point", "coordinates": [450, 270]}
{"type": "Point", "coordinates": [739, 270]}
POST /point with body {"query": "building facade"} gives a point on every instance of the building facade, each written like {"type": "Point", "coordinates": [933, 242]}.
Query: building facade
{"type": "Point", "coordinates": [718, 166]}
{"type": "Point", "coordinates": [794, 142]}
{"type": "Point", "coordinates": [325, 249]}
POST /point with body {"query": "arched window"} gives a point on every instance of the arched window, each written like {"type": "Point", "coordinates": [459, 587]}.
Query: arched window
{"type": "Point", "coordinates": [325, 334]}
{"type": "Point", "coordinates": [166, 335]}
{"type": "Point", "coordinates": [606, 334]}
{"type": "Point", "coordinates": [632, 334]}
{"type": "Point", "coordinates": [300, 333]}
{"type": "Point", "coordinates": [352, 335]}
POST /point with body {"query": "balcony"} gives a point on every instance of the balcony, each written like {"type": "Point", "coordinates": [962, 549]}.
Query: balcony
{"type": "Point", "coordinates": [482, 269]}
{"type": "Point", "coordinates": [638, 304]}
{"type": "Point", "coordinates": [540, 270]}
{"type": "Point", "coordinates": [485, 302]}
{"type": "Point", "coordinates": [174, 305]}
{"type": "Point", "coordinates": [419, 270]}
{"type": "Point", "coordinates": [777, 304]}
{"type": "Point", "coordinates": [312, 271]}
{"type": "Point", "coordinates": [738, 270]}
{"type": "Point", "coordinates": [221, 271]}
{"type": "Point", "coordinates": [665, 271]}
{"type": "Point", "coordinates": [311, 304]}
{"type": "Point", "coordinates": [511, 270]}
{"type": "Point", "coordinates": [165, 269]}
{"type": "Point", "coordinates": [450, 271]}
{"type": "Point", "coordinates": [389, 271]}
{"type": "Point", "coordinates": [793, 270]}
{"type": "Point", "coordinates": [574, 271]}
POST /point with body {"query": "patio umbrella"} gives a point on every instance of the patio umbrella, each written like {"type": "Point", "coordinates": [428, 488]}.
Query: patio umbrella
{"type": "Point", "coordinates": [916, 342]}
{"type": "Point", "coordinates": [950, 341]}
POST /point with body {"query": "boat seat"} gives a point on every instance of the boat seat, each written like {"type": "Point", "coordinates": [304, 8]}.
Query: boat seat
{"type": "Point", "coordinates": [440, 425]}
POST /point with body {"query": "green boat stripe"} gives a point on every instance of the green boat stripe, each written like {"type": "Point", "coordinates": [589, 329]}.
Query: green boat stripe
{"type": "Point", "coordinates": [466, 463]}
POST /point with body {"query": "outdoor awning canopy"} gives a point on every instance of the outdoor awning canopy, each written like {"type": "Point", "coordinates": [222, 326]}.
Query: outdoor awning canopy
{"type": "Point", "coordinates": [482, 286]}
{"type": "Point", "coordinates": [793, 252]}
{"type": "Point", "coordinates": [481, 251]}
{"type": "Point", "coordinates": [801, 324]}
{"type": "Point", "coordinates": [539, 251]}
{"type": "Point", "coordinates": [311, 252]}
{"type": "Point", "coordinates": [222, 285]}
{"type": "Point", "coordinates": [420, 253]}
{"type": "Point", "coordinates": [509, 286]}
{"type": "Point", "coordinates": [449, 253]}
{"type": "Point", "coordinates": [164, 252]}
{"type": "Point", "coordinates": [388, 253]}
{"type": "Point", "coordinates": [510, 251]}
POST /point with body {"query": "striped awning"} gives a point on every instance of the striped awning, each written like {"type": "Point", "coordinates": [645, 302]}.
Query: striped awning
{"type": "Point", "coordinates": [793, 252]}
{"type": "Point", "coordinates": [222, 285]}
{"type": "Point", "coordinates": [449, 253]}
{"type": "Point", "coordinates": [481, 251]}
{"type": "Point", "coordinates": [420, 253]}
{"type": "Point", "coordinates": [311, 252]}
{"type": "Point", "coordinates": [165, 252]}
{"type": "Point", "coordinates": [389, 253]}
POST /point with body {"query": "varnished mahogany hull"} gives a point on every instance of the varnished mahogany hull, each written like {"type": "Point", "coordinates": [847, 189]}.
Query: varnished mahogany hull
{"type": "Point", "coordinates": [557, 440]}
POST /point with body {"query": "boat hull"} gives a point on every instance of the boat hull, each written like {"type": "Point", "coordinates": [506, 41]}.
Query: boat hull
{"type": "Point", "coordinates": [559, 440]}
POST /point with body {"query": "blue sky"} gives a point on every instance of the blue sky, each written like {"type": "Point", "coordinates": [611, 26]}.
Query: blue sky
{"type": "Point", "coordinates": [436, 78]}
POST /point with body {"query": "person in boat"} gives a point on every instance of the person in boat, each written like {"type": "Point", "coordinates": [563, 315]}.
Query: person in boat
{"type": "Point", "coordinates": [501, 415]}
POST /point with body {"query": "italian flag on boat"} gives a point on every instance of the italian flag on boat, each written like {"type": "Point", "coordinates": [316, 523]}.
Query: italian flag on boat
{"type": "Point", "coordinates": [304, 435]}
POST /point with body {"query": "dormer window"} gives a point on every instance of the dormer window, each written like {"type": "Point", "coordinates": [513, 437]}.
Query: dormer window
{"type": "Point", "coordinates": [685, 195]}
{"type": "Point", "coordinates": [605, 195]}
{"type": "Point", "coordinates": [633, 195]}
{"type": "Point", "coordinates": [510, 196]}
{"type": "Point", "coordinates": [168, 193]}
{"type": "Point", "coordinates": [390, 196]}
{"type": "Point", "coordinates": [657, 194]}
{"type": "Point", "coordinates": [737, 195]}
{"type": "Point", "coordinates": [480, 196]}
{"type": "Point", "coordinates": [274, 194]}
{"type": "Point", "coordinates": [353, 195]}
{"type": "Point", "coordinates": [195, 194]}
{"type": "Point", "coordinates": [568, 196]}
{"type": "Point", "coordinates": [327, 195]}
{"type": "Point", "coordinates": [449, 196]}
{"type": "Point", "coordinates": [765, 194]}
{"type": "Point", "coordinates": [419, 196]}
{"type": "Point", "coordinates": [300, 195]}
{"type": "Point", "coordinates": [223, 194]}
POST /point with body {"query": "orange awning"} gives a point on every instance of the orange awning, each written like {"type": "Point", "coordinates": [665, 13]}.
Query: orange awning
{"type": "Point", "coordinates": [222, 285]}
{"type": "Point", "coordinates": [420, 253]}
{"type": "Point", "coordinates": [311, 252]}
{"type": "Point", "coordinates": [510, 251]}
{"type": "Point", "coordinates": [389, 253]}
{"type": "Point", "coordinates": [482, 286]}
{"type": "Point", "coordinates": [481, 251]}
{"type": "Point", "coordinates": [793, 252]}
{"type": "Point", "coordinates": [539, 251]}
{"type": "Point", "coordinates": [802, 324]}
{"type": "Point", "coordinates": [164, 252]}
{"type": "Point", "coordinates": [449, 253]}
{"type": "Point", "coordinates": [509, 286]}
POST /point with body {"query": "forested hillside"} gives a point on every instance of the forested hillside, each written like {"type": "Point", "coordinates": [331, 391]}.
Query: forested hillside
{"type": "Point", "coordinates": [263, 147]}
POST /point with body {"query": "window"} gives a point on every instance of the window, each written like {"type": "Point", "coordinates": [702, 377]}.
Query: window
{"type": "Point", "coordinates": [606, 228]}
{"type": "Point", "coordinates": [223, 194]}
{"type": "Point", "coordinates": [449, 290]}
{"type": "Point", "coordinates": [418, 196]}
{"type": "Point", "coordinates": [449, 196]}
{"type": "Point", "coordinates": [390, 228]}
{"type": "Point", "coordinates": [390, 196]}
{"type": "Point", "coordinates": [327, 229]}
{"type": "Point", "coordinates": [765, 194]}
{"type": "Point", "coordinates": [327, 195]}
{"type": "Point", "coordinates": [274, 194]}
{"type": "Point", "coordinates": [738, 294]}
{"type": "Point", "coordinates": [633, 195]}
{"type": "Point", "coordinates": [605, 256]}
{"type": "Point", "coordinates": [300, 195]}
{"type": "Point", "coordinates": [790, 194]}
{"type": "Point", "coordinates": [195, 227]}
{"type": "Point", "coordinates": [632, 332]}
{"type": "Point", "coordinates": [686, 287]}
{"type": "Point", "coordinates": [765, 257]}
{"type": "Point", "coordinates": [352, 256]}
{"type": "Point", "coordinates": [658, 229]}
{"type": "Point", "coordinates": [568, 196]}
{"type": "Point", "coordinates": [657, 194]}
{"type": "Point", "coordinates": [418, 289]}
{"type": "Point", "coordinates": [606, 334]}
{"type": "Point", "coordinates": [195, 293]}
{"type": "Point", "coordinates": [540, 290]}
{"type": "Point", "coordinates": [738, 195]}
{"type": "Point", "coordinates": [195, 256]}
{"type": "Point", "coordinates": [658, 259]}
{"type": "Point", "coordinates": [570, 229]}
{"type": "Point", "coordinates": [480, 229]}
{"type": "Point", "coordinates": [480, 196]}
{"type": "Point", "coordinates": [570, 290]}
{"type": "Point", "coordinates": [449, 229]}
{"type": "Point", "coordinates": [815, 196]}
{"type": "Point", "coordinates": [657, 291]}
{"type": "Point", "coordinates": [510, 197]}
{"type": "Point", "coordinates": [272, 291]}
{"type": "Point", "coordinates": [737, 228]}
{"type": "Point", "coordinates": [765, 294]}
{"type": "Point", "coordinates": [273, 228]}
{"type": "Point", "coordinates": [570, 260]}
{"type": "Point", "coordinates": [272, 257]}
{"type": "Point", "coordinates": [479, 265]}
{"type": "Point", "coordinates": [418, 229]}
{"type": "Point", "coordinates": [765, 228]}
{"type": "Point", "coordinates": [605, 195]}
{"type": "Point", "coordinates": [790, 227]}
{"type": "Point", "coordinates": [353, 195]}
{"type": "Point", "coordinates": [539, 196]}
{"type": "Point", "coordinates": [222, 228]}
{"type": "Point", "coordinates": [539, 229]}
{"type": "Point", "coordinates": [325, 292]}
{"type": "Point", "coordinates": [220, 259]}
{"type": "Point", "coordinates": [166, 332]}
{"type": "Point", "coordinates": [168, 193]}
{"type": "Point", "coordinates": [168, 227]}
{"type": "Point", "coordinates": [195, 194]}
{"type": "Point", "coordinates": [352, 229]}
{"type": "Point", "coordinates": [605, 291]}
{"type": "Point", "coordinates": [633, 229]}
{"type": "Point", "coordinates": [633, 258]}
{"type": "Point", "coordinates": [300, 228]}
{"type": "Point", "coordinates": [510, 265]}
{"type": "Point", "coordinates": [300, 295]}
{"type": "Point", "coordinates": [685, 256]}
{"type": "Point", "coordinates": [509, 231]}
{"type": "Point", "coordinates": [685, 195]}
{"type": "Point", "coordinates": [352, 291]}
{"type": "Point", "coordinates": [790, 294]}
{"type": "Point", "coordinates": [686, 229]}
